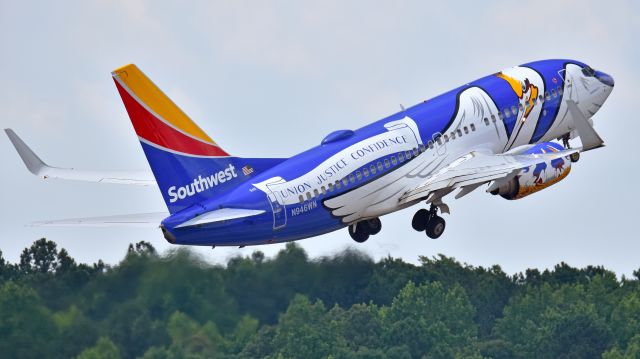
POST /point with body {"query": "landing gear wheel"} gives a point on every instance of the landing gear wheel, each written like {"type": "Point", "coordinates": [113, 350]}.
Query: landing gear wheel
{"type": "Point", "coordinates": [374, 226]}
{"type": "Point", "coordinates": [574, 157]}
{"type": "Point", "coordinates": [435, 227]}
{"type": "Point", "coordinates": [358, 232]}
{"type": "Point", "coordinates": [420, 219]}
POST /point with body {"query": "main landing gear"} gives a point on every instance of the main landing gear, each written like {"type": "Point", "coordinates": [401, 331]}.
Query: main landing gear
{"type": "Point", "coordinates": [361, 231]}
{"type": "Point", "coordinates": [574, 157]}
{"type": "Point", "coordinates": [429, 222]}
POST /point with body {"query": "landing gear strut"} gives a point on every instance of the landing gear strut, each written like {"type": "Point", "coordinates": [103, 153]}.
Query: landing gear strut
{"type": "Point", "coordinates": [429, 222]}
{"type": "Point", "coordinates": [361, 231]}
{"type": "Point", "coordinates": [574, 157]}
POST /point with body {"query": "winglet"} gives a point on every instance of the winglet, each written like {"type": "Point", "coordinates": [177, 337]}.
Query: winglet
{"type": "Point", "coordinates": [30, 159]}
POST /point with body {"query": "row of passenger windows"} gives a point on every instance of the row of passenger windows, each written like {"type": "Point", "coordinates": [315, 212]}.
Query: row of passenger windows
{"type": "Point", "coordinates": [403, 156]}
{"type": "Point", "coordinates": [364, 172]}
{"type": "Point", "coordinates": [508, 112]}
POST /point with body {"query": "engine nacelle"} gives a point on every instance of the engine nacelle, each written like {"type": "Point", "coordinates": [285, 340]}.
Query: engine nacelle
{"type": "Point", "coordinates": [537, 177]}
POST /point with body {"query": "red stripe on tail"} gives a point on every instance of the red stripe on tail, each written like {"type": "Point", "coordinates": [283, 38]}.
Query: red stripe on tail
{"type": "Point", "coordinates": [157, 132]}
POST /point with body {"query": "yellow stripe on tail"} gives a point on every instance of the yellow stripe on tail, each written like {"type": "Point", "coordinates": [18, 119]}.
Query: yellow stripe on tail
{"type": "Point", "coordinates": [151, 96]}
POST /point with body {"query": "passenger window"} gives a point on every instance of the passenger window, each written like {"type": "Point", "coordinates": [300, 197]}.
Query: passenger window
{"type": "Point", "coordinates": [430, 144]}
{"type": "Point", "coordinates": [373, 169]}
{"type": "Point", "coordinates": [553, 93]}
{"type": "Point", "coordinates": [540, 98]}
{"type": "Point", "coordinates": [401, 157]}
{"type": "Point", "coordinates": [547, 96]}
{"type": "Point", "coordinates": [393, 160]}
{"type": "Point", "coordinates": [408, 155]}
{"type": "Point", "coordinates": [338, 184]}
{"type": "Point", "coordinates": [506, 113]}
{"type": "Point", "coordinates": [501, 116]}
{"type": "Point", "coordinates": [493, 118]}
{"type": "Point", "coordinates": [459, 132]}
{"type": "Point", "coordinates": [380, 166]}
{"type": "Point", "coordinates": [514, 110]}
{"type": "Point", "coordinates": [352, 178]}
{"type": "Point", "coordinates": [345, 181]}
{"type": "Point", "coordinates": [446, 138]}
{"type": "Point", "coordinates": [520, 107]}
{"type": "Point", "coordinates": [452, 135]}
{"type": "Point", "coordinates": [486, 121]}
{"type": "Point", "coordinates": [301, 198]}
{"type": "Point", "coordinates": [473, 127]}
{"type": "Point", "coordinates": [466, 130]}
{"type": "Point", "coordinates": [365, 172]}
{"type": "Point", "coordinates": [358, 175]}
{"type": "Point", "coordinates": [323, 189]}
{"type": "Point", "coordinates": [315, 192]}
{"type": "Point", "coordinates": [560, 91]}
{"type": "Point", "coordinates": [386, 163]}
{"type": "Point", "coordinates": [308, 195]}
{"type": "Point", "coordinates": [330, 187]}
{"type": "Point", "coordinates": [439, 140]}
{"type": "Point", "coordinates": [415, 152]}
{"type": "Point", "coordinates": [535, 100]}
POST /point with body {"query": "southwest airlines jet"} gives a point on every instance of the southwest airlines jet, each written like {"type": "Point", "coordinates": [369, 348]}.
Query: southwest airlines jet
{"type": "Point", "coordinates": [508, 132]}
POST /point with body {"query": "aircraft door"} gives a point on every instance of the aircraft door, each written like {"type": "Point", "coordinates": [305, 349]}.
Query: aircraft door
{"type": "Point", "coordinates": [439, 143]}
{"type": "Point", "coordinates": [278, 208]}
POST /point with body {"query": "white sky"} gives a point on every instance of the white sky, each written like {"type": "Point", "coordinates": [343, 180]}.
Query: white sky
{"type": "Point", "coordinates": [272, 78]}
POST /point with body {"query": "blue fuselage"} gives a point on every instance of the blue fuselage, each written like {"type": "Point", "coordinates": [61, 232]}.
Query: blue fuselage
{"type": "Point", "coordinates": [309, 193]}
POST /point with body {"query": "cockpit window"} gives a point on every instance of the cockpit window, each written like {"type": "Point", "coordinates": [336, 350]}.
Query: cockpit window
{"type": "Point", "coordinates": [588, 71]}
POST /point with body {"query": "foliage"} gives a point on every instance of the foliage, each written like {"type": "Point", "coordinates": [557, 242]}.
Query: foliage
{"type": "Point", "coordinates": [176, 305]}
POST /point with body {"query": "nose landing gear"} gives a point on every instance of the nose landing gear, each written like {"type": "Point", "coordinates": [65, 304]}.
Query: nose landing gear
{"type": "Point", "coordinates": [429, 222]}
{"type": "Point", "coordinates": [361, 231]}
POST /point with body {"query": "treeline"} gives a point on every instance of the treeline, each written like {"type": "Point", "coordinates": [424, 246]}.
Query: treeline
{"type": "Point", "coordinates": [346, 306]}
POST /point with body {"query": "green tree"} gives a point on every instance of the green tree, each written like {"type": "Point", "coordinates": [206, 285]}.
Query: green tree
{"type": "Point", "coordinates": [41, 257]}
{"type": "Point", "coordinates": [631, 352]}
{"type": "Point", "coordinates": [26, 326]}
{"type": "Point", "coordinates": [303, 332]}
{"type": "Point", "coordinates": [625, 319]}
{"type": "Point", "coordinates": [432, 321]}
{"type": "Point", "coordinates": [104, 349]}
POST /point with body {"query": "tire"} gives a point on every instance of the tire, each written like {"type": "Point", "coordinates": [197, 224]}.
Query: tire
{"type": "Point", "coordinates": [419, 222]}
{"type": "Point", "coordinates": [374, 226]}
{"type": "Point", "coordinates": [435, 227]}
{"type": "Point", "coordinates": [360, 234]}
{"type": "Point", "coordinates": [575, 157]}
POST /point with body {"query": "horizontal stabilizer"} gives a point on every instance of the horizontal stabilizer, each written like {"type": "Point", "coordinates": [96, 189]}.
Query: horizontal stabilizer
{"type": "Point", "coordinates": [42, 170]}
{"type": "Point", "coordinates": [220, 215]}
{"type": "Point", "coordinates": [143, 220]}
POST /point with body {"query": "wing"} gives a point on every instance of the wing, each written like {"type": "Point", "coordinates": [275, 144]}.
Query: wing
{"type": "Point", "coordinates": [41, 169]}
{"type": "Point", "coordinates": [127, 220]}
{"type": "Point", "coordinates": [474, 169]}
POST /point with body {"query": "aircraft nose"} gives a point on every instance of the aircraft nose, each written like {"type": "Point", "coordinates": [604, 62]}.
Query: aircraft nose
{"type": "Point", "coordinates": [605, 78]}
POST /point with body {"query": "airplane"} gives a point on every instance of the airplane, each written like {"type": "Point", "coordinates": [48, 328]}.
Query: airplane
{"type": "Point", "coordinates": [508, 131]}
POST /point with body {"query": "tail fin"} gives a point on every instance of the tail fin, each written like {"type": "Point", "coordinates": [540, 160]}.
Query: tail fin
{"type": "Point", "coordinates": [188, 165]}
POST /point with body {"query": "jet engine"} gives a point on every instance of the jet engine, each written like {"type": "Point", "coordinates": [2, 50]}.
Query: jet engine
{"type": "Point", "coordinates": [537, 177]}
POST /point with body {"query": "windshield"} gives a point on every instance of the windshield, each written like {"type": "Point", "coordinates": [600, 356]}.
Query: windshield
{"type": "Point", "coordinates": [588, 71]}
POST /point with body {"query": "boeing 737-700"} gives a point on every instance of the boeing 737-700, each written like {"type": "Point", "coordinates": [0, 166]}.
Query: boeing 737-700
{"type": "Point", "coordinates": [508, 131]}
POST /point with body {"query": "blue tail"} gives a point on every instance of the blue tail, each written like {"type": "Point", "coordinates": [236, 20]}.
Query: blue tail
{"type": "Point", "coordinates": [188, 165]}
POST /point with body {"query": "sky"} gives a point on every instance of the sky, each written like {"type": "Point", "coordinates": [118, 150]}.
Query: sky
{"type": "Point", "coordinates": [271, 79]}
